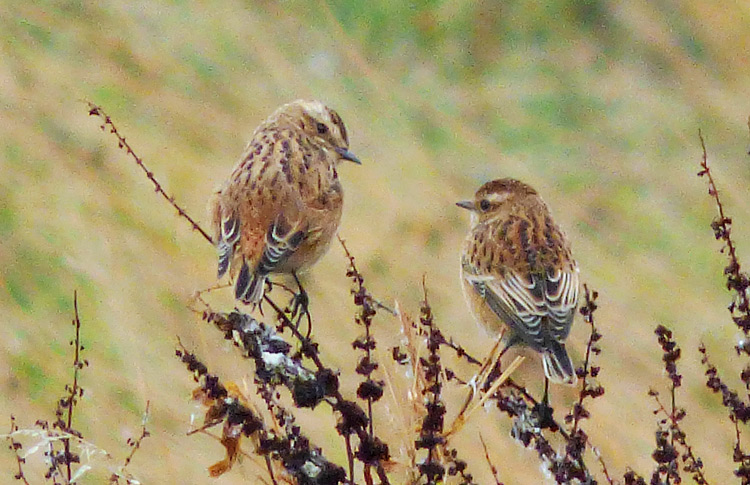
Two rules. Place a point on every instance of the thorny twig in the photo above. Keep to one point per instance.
(95, 110)
(738, 412)
(135, 444)
(287, 444)
(578, 439)
(737, 281)
(666, 454)
(432, 435)
(15, 446)
(308, 387)
(369, 390)
(492, 466)
(66, 405)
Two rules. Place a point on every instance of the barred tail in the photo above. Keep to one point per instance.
(557, 364)
(250, 285)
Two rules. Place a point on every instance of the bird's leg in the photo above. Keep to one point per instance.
(300, 305)
(496, 371)
(269, 287)
(543, 409)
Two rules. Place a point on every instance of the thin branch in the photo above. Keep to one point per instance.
(694, 462)
(136, 444)
(95, 110)
(66, 406)
(737, 281)
(493, 468)
(15, 446)
(587, 371)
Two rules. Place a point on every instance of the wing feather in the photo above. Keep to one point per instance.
(229, 235)
(523, 302)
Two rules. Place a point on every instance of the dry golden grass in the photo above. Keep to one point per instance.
(597, 107)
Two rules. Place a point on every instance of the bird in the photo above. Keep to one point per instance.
(518, 274)
(281, 206)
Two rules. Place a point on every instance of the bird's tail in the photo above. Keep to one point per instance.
(250, 285)
(281, 242)
(557, 364)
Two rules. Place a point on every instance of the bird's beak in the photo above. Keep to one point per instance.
(466, 204)
(347, 155)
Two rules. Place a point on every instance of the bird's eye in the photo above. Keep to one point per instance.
(484, 204)
(322, 129)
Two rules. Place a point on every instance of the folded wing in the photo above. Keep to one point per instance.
(538, 307)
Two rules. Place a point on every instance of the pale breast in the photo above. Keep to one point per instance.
(483, 315)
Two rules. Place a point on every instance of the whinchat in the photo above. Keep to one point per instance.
(518, 273)
(281, 206)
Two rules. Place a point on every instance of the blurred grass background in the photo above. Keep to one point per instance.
(595, 103)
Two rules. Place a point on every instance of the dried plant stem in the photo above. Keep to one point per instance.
(477, 381)
(689, 456)
(15, 446)
(95, 110)
(599, 458)
(737, 281)
(337, 400)
(136, 444)
(492, 466)
(463, 415)
(70, 401)
(588, 317)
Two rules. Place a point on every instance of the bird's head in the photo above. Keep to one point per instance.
(320, 123)
(498, 197)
